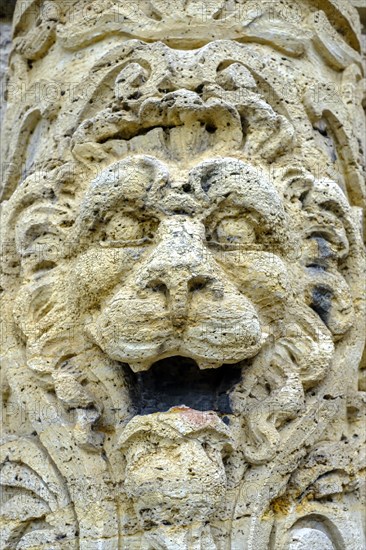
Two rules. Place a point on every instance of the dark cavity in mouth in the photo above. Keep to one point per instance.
(177, 381)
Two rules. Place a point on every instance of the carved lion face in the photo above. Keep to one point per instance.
(175, 270)
(218, 277)
(163, 252)
(180, 269)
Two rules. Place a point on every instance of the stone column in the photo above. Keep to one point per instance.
(182, 276)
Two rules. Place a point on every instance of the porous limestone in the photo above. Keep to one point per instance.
(183, 276)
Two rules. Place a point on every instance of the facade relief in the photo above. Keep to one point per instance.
(182, 277)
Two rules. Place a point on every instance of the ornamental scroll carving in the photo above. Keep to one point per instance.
(182, 277)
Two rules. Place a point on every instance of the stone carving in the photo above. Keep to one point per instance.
(182, 265)
(175, 475)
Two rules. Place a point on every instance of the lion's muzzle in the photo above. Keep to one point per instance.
(178, 301)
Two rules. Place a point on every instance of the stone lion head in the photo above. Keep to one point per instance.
(212, 269)
(181, 260)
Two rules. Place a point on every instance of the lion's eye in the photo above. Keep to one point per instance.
(124, 230)
(235, 231)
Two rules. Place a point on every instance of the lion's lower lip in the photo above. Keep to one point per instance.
(178, 381)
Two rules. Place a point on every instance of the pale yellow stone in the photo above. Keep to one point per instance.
(183, 276)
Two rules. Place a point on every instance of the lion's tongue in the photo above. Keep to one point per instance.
(176, 424)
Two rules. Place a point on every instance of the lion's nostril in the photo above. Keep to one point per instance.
(158, 286)
(187, 188)
(197, 283)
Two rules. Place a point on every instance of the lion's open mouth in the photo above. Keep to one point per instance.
(178, 381)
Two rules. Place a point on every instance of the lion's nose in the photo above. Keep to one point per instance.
(178, 268)
(177, 285)
(177, 290)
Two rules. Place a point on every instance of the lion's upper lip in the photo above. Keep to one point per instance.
(208, 347)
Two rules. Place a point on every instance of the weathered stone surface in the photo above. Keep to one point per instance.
(183, 276)
(5, 45)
